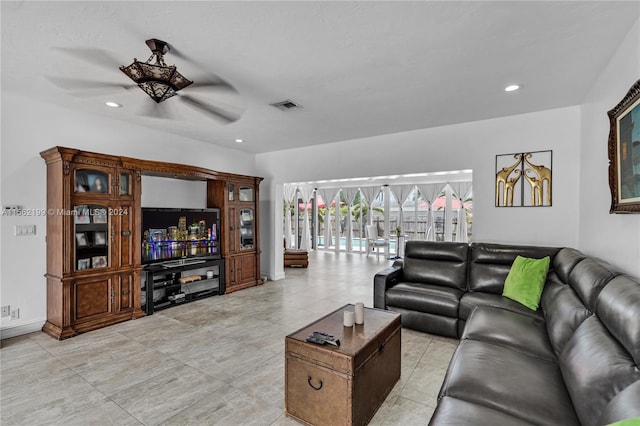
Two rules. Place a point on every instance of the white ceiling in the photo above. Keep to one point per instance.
(358, 68)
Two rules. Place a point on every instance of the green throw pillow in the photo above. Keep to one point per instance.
(627, 422)
(525, 281)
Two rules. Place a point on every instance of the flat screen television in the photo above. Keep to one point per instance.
(172, 234)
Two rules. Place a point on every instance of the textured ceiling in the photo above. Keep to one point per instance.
(358, 68)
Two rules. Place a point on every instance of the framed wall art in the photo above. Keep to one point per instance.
(523, 179)
(624, 153)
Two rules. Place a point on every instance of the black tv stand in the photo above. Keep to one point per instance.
(182, 262)
(171, 283)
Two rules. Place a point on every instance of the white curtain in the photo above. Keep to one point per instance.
(464, 228)
(370, 193)
(306, 192)
(350, 195)
(401, 192)
(430, 192)
(462, 191)
(288, 198)
(328, 195)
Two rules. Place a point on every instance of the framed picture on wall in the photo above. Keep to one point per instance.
(624, 153)
(523, 179)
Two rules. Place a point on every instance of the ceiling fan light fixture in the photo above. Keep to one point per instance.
(157, 79)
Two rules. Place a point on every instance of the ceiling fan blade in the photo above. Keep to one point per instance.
(155, 110)
(179, 54)
(211, 80)
(227, 116)
(218, 84)
(93, 55)
(79, 84)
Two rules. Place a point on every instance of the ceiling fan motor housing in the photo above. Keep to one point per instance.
(157, 46)
(158, 80)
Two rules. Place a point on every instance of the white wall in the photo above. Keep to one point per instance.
(614, 237)
(29, 127)
(178, 193)
(465, 146)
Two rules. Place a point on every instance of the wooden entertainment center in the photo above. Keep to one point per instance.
(94, 234)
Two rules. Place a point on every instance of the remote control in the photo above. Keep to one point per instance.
(323, 338)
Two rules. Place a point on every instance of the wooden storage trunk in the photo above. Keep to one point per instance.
(296, 258)
(327, 385)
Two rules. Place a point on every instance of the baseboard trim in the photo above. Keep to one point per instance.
(274, 276)
(19, 330)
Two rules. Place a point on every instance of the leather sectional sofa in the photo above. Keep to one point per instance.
(573, 361)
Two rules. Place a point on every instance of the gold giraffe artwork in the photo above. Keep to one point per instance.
(502, 177)
(509, 187)
(543, 174)
(536, 188)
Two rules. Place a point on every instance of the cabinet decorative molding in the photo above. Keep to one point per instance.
(238, 198)
(94, 263)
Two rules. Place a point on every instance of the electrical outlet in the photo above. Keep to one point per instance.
(6, 311)
(15, 314)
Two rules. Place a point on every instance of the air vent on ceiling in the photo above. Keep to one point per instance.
(287, 105)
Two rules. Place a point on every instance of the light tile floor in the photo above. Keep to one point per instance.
(217, 361)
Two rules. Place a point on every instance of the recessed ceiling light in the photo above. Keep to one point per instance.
(113, 104)
(239, 140)
(511, 88)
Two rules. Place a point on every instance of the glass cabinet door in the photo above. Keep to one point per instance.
(92, 238)
(245, 193)
(246, 229)
(124, 184)
(230, 190)
(91, 181)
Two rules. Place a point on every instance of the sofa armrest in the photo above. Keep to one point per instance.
(383, 281)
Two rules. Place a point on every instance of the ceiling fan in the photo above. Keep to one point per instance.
(157, 79)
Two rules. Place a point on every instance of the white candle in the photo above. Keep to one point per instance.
(349, 318)
(359, 314)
